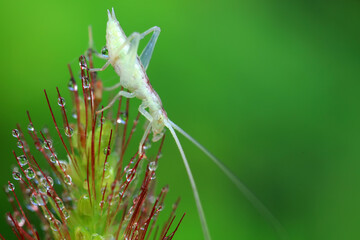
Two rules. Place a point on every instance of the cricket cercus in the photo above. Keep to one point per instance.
(122, 56)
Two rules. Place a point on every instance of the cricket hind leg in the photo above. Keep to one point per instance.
(204, 226)
(239, 184)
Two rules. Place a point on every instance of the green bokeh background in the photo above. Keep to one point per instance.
(270, 87)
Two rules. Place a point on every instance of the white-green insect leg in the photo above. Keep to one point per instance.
(119, 94)
(149, 49)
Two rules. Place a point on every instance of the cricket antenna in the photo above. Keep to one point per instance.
(192, 182)
(239, 184)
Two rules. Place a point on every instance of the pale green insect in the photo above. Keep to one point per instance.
(122, 55)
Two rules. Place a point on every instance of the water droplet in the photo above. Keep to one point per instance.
(82, 65)
(106, 166)
(120, 120)
(60, 203)
(30, 173)
(74, 115)
(11, 186)
(129, 174)
(152, 166)
(104, 51)
(48, 182)
(20, 144)
(31, 127)
(66, 214)
(72, 85)
(115, 199)
(16, 176)
(55, 225)
(42, 188)
(53, 158)
(102, 120)
(107, 151)
(68, 180)
(47, 144)
(38, 199)
(19, 218)
(69, 131)
(47, 215)
(22, 160)
(101, 203)
(153, 176)
(63, 165)
(86, 82)
(147, 144)
(15, 133)
(61, 102)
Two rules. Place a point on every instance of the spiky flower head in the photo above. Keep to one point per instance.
(90, 190)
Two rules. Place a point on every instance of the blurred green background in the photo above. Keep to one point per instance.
(270, 87)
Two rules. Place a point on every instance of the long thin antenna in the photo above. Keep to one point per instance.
(239, 184)
(192, 181)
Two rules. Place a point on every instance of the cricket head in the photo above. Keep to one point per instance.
(115, 36)
(159, 121)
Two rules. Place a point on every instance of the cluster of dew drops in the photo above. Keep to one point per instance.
(45, 183)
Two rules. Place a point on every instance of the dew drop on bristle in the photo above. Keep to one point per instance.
(68, 180)
(120, 120)
(74, 115)
(47, 215)
(15, 133)
(129, 175)
(30, 173)
(11, 186)
(102, 120)
(55, 225)
(69, 131)
(153, 176)
(147, 144)
(20, 144)
(107, 151)
(82, 65)
(72, 86)
(60, 203)
(47, 144)
(16, 176)
(48, 182)
(61, 102)
(53, 158)
(66, 214)
(30, 127)
(42, 188)
(38, 199)
(19, 219)
(22, 160)
(152, 166)
(86, 82)
(63, 165)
